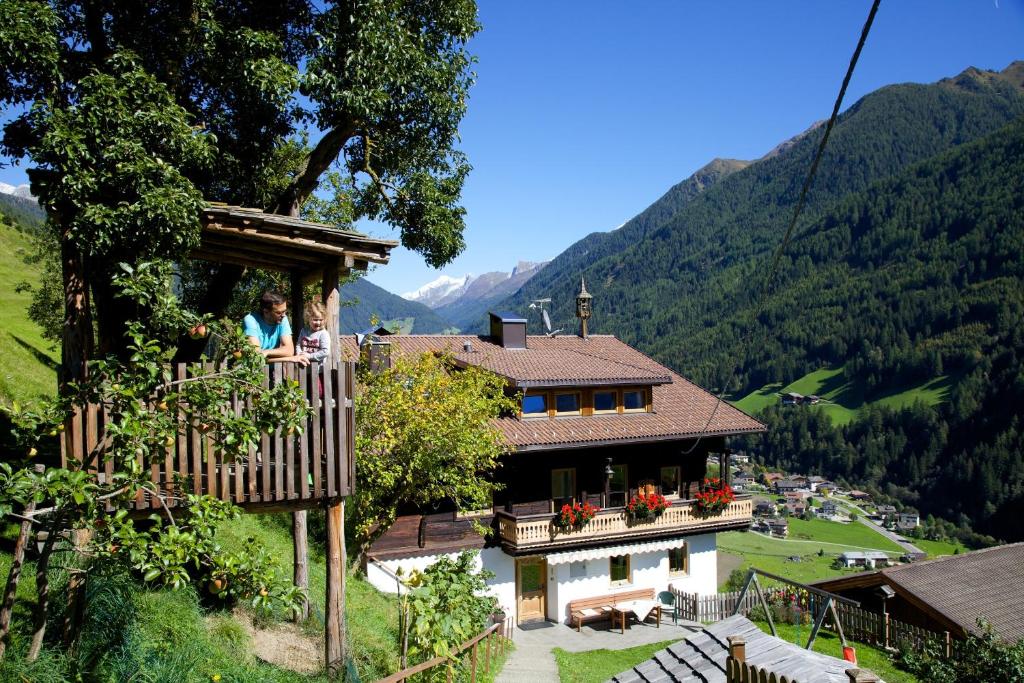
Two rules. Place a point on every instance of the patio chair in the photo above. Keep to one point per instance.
(668, 599)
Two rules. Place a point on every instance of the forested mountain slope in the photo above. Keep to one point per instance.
(922, 274)
(669, 282)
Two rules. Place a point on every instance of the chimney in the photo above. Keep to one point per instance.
(508, 330)
(583, 307)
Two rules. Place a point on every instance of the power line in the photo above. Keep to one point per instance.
(762, 296)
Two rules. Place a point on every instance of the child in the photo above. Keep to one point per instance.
(314, 342)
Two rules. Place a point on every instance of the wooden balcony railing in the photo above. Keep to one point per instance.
(286, 471)
(523, 532)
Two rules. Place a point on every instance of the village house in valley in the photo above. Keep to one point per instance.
(600, 423)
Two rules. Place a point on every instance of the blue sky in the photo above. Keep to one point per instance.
(585, 112)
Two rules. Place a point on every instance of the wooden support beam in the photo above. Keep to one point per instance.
(300, 539)
(334, 636)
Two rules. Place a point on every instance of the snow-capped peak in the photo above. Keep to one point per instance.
(436, 291)
(17, 191)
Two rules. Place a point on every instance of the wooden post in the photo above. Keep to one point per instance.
(7, 607)
(335, 621)
(861, 676)
(738, 648)
(300, 541)
(301, 567)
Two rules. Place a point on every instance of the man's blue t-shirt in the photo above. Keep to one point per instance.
(269, 335)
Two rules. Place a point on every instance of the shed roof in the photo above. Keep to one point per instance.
(251, 238)
(702, 657)
(960, 588)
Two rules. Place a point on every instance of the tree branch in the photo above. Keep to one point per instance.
(318, 161)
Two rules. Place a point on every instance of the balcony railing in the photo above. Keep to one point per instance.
(525, 532)
(285, 471)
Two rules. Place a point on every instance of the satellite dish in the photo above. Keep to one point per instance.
(547, 320)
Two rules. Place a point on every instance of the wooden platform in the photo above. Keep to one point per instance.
(285, 472)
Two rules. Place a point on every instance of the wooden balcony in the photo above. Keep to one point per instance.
(285, 472)
(520, 534)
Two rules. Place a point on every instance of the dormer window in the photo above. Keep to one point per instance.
(535, 404)
(605, 401)
(567, 403)
(634, 399)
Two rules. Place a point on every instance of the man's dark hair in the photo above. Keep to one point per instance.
(270, 298)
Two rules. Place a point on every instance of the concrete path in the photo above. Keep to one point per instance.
(533, 661)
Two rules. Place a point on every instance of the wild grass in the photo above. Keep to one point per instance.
(27, 362)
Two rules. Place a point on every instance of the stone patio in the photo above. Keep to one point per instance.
(533, 661)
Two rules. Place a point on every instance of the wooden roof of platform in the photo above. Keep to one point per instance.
(255, 239)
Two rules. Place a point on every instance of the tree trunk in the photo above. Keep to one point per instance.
(11, 590)
(43, 591)
(301, 574)
(77, 342)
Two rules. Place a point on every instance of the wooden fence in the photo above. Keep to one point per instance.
(708, 608)
(878, 629)
(286, 471)
(858, 624)
(496, 638)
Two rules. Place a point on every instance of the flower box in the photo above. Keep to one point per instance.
(574, 517)
(715, 496)
(643, 507)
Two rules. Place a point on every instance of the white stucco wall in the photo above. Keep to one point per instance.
(647, 570)
(502, 586)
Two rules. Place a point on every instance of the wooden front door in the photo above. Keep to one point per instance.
(531, 588)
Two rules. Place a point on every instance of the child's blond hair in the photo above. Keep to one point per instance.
(314, 309)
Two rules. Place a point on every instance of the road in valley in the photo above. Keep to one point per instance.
(912, 550)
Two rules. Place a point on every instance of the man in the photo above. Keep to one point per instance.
(270, 331)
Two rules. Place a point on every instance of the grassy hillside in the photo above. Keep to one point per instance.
(845, 400)
(27, 363)
(136, 634)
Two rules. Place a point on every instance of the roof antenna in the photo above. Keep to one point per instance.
(539, 303)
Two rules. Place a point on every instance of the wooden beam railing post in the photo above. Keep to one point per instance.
(14, 575)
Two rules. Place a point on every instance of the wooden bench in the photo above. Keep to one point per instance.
(599, 608)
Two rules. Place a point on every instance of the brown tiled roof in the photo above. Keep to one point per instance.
(681, 408)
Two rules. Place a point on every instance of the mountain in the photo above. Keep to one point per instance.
(905, 271)
(20, 208)
(663, 279)
(440, 291)
(575, 259)
(479, 295)
(22, 191)
(367, 300)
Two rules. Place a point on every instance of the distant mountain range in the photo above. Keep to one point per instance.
(16, 190)
(363, 301)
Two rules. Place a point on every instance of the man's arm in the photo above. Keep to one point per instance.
(285, 347)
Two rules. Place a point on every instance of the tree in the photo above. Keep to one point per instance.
(133, 114)
(148, 409)
(423, 435)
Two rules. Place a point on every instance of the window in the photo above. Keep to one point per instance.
(677, 561)
(634, 399)
(670, 481)
(577, 570)
(619, 568)
(563, 487)
(535, 404)
(567, 403)
(605, 402)
(617, 486)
